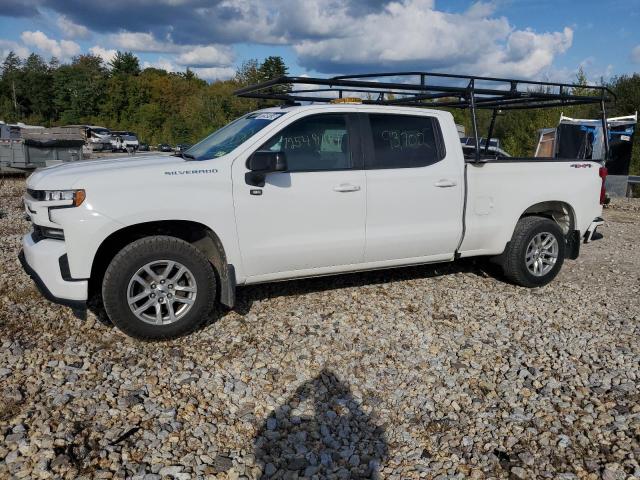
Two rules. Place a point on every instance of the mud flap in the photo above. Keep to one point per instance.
(573, 245)
(228, 286)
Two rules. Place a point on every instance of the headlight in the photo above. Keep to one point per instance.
(55, 195)
(76, 197)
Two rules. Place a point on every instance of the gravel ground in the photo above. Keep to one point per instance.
(431, 372)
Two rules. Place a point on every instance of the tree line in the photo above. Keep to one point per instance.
(170, 107)
(159, 106)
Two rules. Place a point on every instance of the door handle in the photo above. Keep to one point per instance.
(444, 183)
(346, 187)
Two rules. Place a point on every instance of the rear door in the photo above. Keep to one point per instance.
(415, 189)
(312, 216)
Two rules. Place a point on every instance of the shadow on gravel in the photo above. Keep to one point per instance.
(322, 431)
(245, 296)
(95, 306)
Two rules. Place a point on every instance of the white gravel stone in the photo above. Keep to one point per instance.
(441, 371)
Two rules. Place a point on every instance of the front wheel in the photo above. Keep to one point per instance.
(536, 252)
(159, 287)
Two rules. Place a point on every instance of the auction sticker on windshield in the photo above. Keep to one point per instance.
(267, 116)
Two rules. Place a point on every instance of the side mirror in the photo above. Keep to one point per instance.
(263, 162)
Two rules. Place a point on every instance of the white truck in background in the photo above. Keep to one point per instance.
(97, 138)
(123, 141)
(290, 192)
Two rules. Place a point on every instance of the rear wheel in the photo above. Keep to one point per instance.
(159, 287)
(536, 252)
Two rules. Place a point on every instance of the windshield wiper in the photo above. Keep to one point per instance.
(183, 155)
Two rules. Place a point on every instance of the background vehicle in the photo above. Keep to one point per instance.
(143, 147)
(97, 138)
(165, 147)
(298, 191)
(469, 147)
(123, 140)
(584, 139)
(182, 147)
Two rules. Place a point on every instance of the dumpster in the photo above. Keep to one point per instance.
(30, 148)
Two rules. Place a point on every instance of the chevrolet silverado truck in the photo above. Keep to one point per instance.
(290, 192)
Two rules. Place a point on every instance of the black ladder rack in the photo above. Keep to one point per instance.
(435, 90)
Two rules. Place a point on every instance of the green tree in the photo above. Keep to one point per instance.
(80, 89)
(124, 63)
(116, 99)
(10, 84)
(581, 80)
(272, 67)
(36, 89)
(248, 73)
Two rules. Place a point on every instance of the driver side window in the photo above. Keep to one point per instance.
(317, 142)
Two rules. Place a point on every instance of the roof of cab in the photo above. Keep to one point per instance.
(353, 107)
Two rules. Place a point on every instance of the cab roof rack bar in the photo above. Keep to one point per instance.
(428, 89)
(489, 91)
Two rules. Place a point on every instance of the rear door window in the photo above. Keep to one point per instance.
(403, 141)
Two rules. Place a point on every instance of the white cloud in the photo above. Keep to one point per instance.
(188, 55)
(70, 29)
(215, 73)
(329, 36)
(318, 19)
(104, 53)
(635, 54)
(208, 73)
(481, 9)
(412, 33)
(206, 56)
(7, 46)
(212, 61)
(230, 21)
(526, 54)
(593, 71)
(62, 49)
(163, 63)
(142, 42)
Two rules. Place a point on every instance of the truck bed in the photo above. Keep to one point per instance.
(501, 190)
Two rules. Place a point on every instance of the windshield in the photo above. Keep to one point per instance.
(229, 137)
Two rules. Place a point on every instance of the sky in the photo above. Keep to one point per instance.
(541, 39)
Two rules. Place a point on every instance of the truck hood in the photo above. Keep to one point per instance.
(68, 175)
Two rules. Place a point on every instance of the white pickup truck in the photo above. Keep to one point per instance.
(124, 141)
(290, 192)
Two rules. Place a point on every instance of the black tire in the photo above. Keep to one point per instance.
(513, 260)
(141, 252)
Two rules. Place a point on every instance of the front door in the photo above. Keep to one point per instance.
(312, 216)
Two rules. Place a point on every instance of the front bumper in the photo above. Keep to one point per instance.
(591, 233)
(42, 262)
